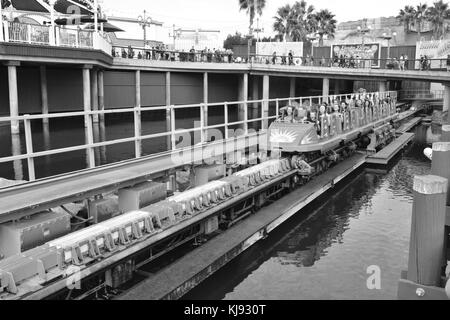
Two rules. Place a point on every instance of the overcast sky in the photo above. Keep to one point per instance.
(224, 15)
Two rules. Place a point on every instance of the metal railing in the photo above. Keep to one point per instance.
(160, 54)
(261, 106)
(74, 38)
(28, 33)
(60, 36)
(421, 94)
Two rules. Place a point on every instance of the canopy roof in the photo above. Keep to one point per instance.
(62, 6)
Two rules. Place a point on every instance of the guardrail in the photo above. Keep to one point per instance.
(421, 94)
(260, 106)
(60, 36)
(160, 54)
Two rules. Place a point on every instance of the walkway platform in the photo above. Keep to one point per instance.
(384, 156)
(405, 127)
(187, 272)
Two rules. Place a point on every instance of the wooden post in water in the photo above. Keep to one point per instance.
(426, 251)
(441, 162)
(445, 133)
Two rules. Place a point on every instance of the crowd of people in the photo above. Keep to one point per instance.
(313, 114)
(163, 52)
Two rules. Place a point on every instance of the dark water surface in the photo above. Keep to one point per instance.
(324, 252)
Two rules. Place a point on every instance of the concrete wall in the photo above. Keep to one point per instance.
(222, 87)
(186, 88)
(4, 98)
(119, 89)
(153, 89)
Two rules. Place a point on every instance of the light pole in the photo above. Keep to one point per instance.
(388, 37)
(176, 33)
(363, 30)
(144, 22)
(258, 30)
(311, 38)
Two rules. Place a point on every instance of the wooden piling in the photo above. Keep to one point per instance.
(441, 162)
(426, 251)
(445, 133)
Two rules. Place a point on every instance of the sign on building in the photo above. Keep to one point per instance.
(281, 48)
(367, 52)
(436, 52)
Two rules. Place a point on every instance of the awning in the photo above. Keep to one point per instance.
(107, 27)
(73, 20)
(28, 5)
(62, 6)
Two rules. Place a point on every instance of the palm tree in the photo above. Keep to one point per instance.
(303, 16)
(406, 16)
(437, 15)
(420, 17)
(283, 24)
(324, 24)
(5, 4)
(253, 8)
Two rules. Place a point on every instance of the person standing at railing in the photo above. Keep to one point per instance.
(402, 62)
(274, 57)
(291, 58)
(147, 51)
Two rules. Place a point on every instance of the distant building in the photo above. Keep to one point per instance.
(199, 39)
(347, 32)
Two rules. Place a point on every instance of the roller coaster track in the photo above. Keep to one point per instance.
(29, 198)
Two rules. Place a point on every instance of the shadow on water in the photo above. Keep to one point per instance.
(69, 132)
(324, 252)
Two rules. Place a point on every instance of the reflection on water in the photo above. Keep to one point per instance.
(324, 253)
(63, 133)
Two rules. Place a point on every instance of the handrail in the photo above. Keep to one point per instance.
(262, 105)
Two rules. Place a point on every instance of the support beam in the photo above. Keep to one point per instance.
(446, 100)
(326, 87)
(52, 21)
(101, 94)
(255, 96)
(205, 99)
(13, 97)
(137, 114)
(44, 93)
(89, 133)
(292, 87)
(337, 86)
(265, 104)
(382, 86)
(94, 93)
(168, 112)
(1, 25)
(243, 96)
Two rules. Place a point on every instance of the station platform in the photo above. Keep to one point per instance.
(405, 127)
(184, 274)
(387, 153)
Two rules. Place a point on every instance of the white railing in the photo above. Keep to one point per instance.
(28, 33)
(65, 37)
(74, 38)
(260, 106)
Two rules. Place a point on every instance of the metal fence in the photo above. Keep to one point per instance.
(262, 120)
(421, 94)
(28, 33)
(158, 54)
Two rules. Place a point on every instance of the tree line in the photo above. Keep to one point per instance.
(301, 22)
(415, 17)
